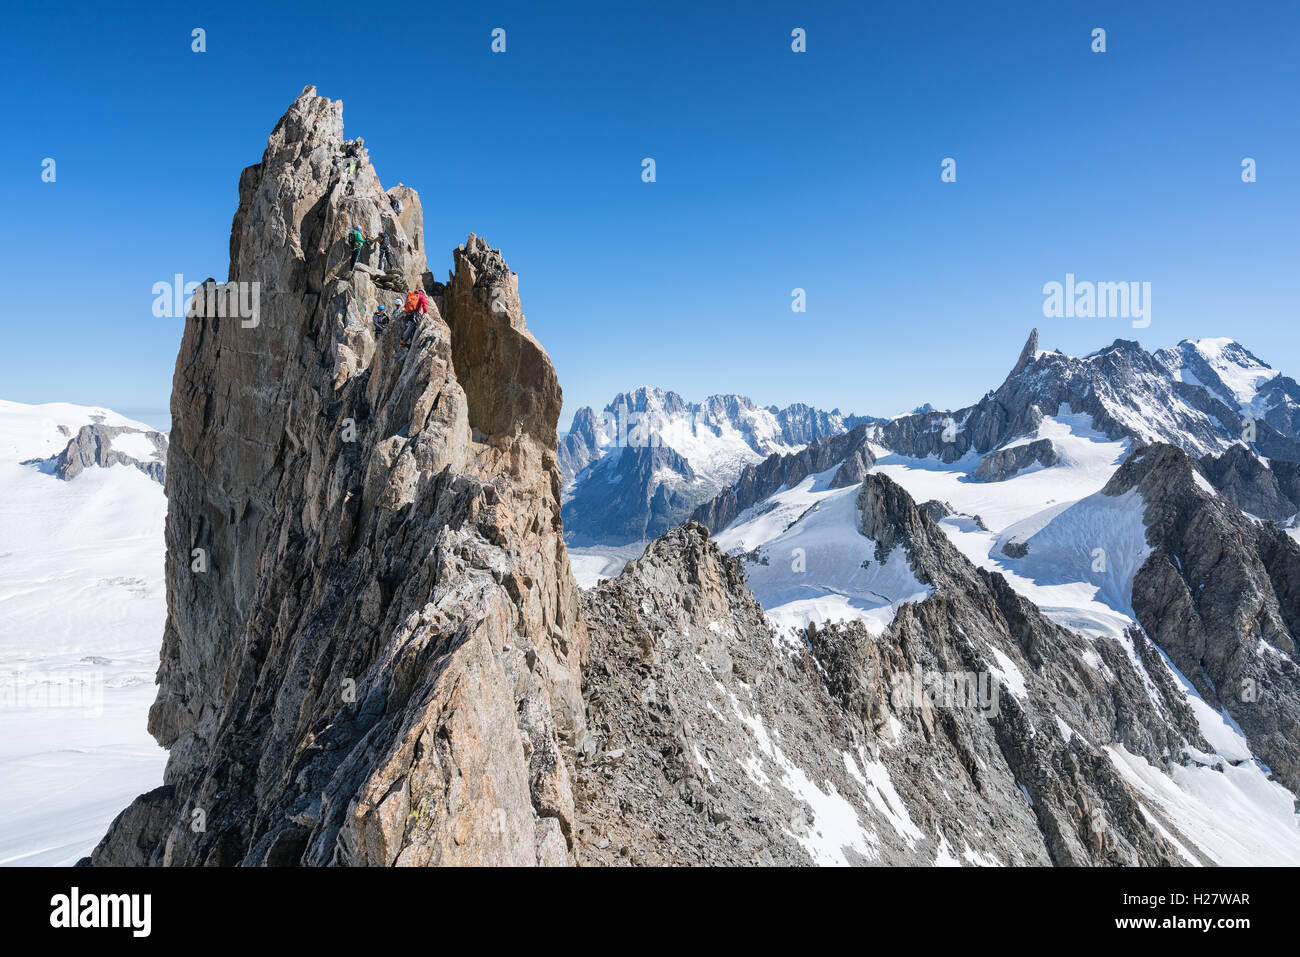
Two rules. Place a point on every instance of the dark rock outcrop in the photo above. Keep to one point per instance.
(93, 446)
(1000, 465)
(854, 468)
(1220, 594)
(1269, 491)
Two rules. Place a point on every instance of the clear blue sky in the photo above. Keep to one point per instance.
(775, 170)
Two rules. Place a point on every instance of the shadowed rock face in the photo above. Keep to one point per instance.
(488, 336)
(1001, 465)
(1218, 594)
(626, 503)
(1269, 491)
(374, 658)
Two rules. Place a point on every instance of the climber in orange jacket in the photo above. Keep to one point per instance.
(417, 305)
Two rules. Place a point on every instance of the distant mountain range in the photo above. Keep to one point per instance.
(1147, 502)
(650, 458)
(640, 465)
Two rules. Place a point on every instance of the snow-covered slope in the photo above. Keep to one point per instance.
(807, 562)
(987, 515)
(81, 618)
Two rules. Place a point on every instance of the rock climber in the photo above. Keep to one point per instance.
(384, 258)
(380, 319)
(358, 244)
(417, 305)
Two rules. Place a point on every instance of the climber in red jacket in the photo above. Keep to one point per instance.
(417, 305)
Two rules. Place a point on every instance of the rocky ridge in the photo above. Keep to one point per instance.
(710, 735)
(376, 658)
(1220, 594)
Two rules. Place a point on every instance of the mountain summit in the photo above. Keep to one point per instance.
(372, 643)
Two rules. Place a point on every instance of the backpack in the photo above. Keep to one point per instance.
(412, 302)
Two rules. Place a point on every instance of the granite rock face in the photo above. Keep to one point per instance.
(372, 647)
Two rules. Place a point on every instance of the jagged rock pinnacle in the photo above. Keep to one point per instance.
(379, 660)
(1027, 353)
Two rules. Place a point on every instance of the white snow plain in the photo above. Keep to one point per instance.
(82, 607)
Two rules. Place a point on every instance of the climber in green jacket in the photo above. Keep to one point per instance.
(358, 245)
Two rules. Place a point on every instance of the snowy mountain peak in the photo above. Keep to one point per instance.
(1028, 354)
(1224, 367)
(1194, 395)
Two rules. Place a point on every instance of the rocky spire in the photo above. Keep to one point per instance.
(372, 645)
(1026, 354)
